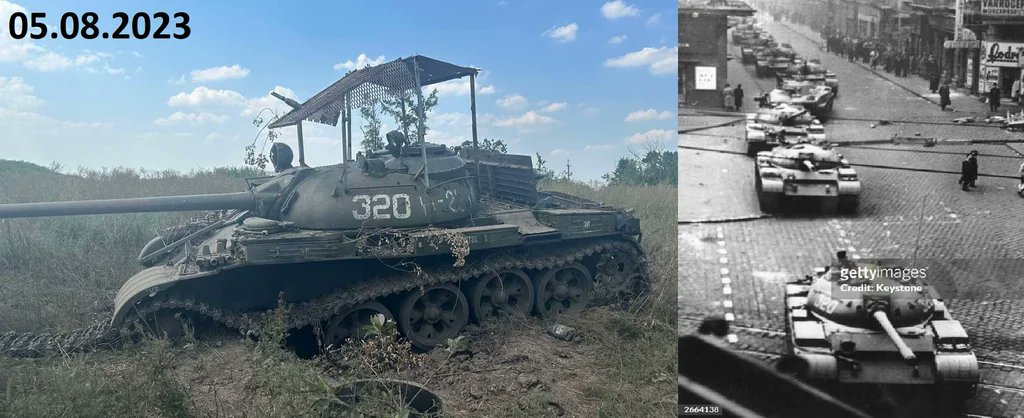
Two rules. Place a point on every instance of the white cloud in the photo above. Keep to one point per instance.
(563, 34)
(530, 118)
(513, 102)
(50, 61)
(16, 94)
(558, 152)
(449, 119)
(11, 49)
(205, 96)
(361, 61)
(618, 39)
(660, 61)
(219, 73)
(199, 118)
(554, 107)
(600, 148)
(460, 87)
(255, 106)
(653, 20)
(178, 81)
(648, 114)
(651, 135)
(618, 9)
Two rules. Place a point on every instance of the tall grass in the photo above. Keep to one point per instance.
(61, 273)
(637, 375)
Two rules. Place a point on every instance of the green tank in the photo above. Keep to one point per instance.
(431, 236)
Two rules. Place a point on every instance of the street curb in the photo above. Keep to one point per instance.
(717, 125)
(726, 220)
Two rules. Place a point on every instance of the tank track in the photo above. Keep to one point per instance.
(308, 313)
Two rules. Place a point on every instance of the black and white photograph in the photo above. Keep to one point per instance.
(849, 226)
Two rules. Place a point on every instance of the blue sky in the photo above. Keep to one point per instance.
(582, 81)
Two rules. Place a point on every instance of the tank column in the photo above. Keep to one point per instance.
(905, 351)
(472, 112)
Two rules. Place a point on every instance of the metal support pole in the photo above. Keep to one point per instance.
(348, 108)
(422, 131)
(472, 112)
(302, 150)
(344, 134)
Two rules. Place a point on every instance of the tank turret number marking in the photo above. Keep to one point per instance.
(826, 304)
(382, 206)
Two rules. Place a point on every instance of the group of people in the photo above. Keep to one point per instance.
(732, 97)
(969, 173)
(902, 62)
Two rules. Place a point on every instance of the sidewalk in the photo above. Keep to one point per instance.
(963, 100)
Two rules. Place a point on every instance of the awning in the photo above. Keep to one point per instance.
(370, 84)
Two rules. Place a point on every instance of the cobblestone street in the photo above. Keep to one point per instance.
(734, 259)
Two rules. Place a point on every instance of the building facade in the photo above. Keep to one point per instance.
(703, 50)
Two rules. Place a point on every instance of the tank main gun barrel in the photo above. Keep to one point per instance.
(905, 352)
(240, 200)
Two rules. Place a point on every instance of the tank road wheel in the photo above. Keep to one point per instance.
(562, 290)
(619, 277)
(430, 316)
(170, 324)
(349, 323)
(505, 292)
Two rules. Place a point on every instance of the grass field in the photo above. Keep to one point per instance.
(58, 274)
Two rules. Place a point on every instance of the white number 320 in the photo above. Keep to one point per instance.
(382, 206)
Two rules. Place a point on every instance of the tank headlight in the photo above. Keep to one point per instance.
(848, 177)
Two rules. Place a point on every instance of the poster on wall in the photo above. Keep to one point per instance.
(987, 77)
(705, 78)
(969, 74)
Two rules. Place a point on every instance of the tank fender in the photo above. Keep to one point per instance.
(143, 284)
(959, 367)
(849, 187)
(771, 185)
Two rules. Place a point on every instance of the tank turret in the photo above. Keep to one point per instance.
(875, 322)
(773, 125)
(805, 171)
(379, 191)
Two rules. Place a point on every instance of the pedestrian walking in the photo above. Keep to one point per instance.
(1015, 91)
(944, 96)
(738, 94)
(994, 95)
(969, 171)
(729, 98)
(932, 74)
(1020, 186)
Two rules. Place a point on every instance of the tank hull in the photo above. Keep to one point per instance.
(235, 274)
(844, 354)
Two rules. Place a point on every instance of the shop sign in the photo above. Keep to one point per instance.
(1002, 7)
(962, 44)
(705, 78)
(1001, 54)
